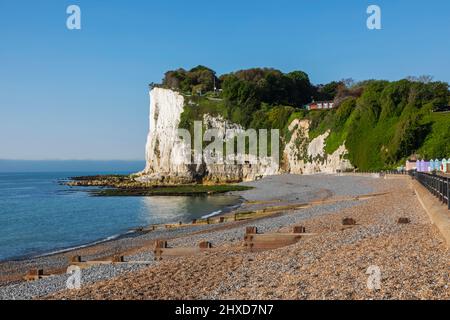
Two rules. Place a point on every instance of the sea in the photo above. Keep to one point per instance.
(40, 215)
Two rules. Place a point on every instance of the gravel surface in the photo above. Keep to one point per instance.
(412, 260)
(270, 224)
(289, 189)
(233, 273)
(281, 188)
(46, 286)
(58, 261)
(293, 187)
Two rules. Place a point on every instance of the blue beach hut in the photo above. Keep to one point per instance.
(437, 165)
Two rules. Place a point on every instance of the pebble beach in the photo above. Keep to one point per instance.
(335, 263)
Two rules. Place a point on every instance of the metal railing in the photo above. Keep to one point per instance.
(438, 185)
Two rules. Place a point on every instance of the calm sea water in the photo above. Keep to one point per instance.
(38, 215)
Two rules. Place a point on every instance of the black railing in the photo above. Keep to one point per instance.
(438, 185)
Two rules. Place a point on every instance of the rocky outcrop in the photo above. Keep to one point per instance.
(167, 153)
(303, 155)
(252, 168)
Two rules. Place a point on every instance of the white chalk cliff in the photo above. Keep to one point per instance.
(164, 152)
(303, 155)
(167, 153)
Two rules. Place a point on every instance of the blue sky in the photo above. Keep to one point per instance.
(82, 94)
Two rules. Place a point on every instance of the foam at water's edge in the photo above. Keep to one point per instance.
(212, 214)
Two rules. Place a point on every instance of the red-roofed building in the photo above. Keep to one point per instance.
(320, 105)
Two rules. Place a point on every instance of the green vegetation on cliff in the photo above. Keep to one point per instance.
(389, 122)
(381, 122)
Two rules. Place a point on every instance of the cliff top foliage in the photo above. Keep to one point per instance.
(381, 122)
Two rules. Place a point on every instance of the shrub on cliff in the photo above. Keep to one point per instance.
(248, 90)
(197, 80)
(389, 122)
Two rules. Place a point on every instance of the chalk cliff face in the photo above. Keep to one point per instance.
(303, 155)
(167, 154)
(252, 168)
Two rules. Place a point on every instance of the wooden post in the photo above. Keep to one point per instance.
(75, 259)
(160, 244)
(403, 220)
(251, 230)
(205, 245)
(299, 229)
(36, 272)
(348, 222)
(118, 259)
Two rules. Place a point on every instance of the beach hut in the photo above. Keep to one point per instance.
(444, 165)
(420, 165)
(437, 165)
(432, 166)
(426, 166)
(411, 165)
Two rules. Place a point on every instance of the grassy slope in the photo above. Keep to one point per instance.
(437, 143)
(367, 143)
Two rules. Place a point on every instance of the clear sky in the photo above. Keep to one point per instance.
(82, 94)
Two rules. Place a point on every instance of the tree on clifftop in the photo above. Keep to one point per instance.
(197, 80)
